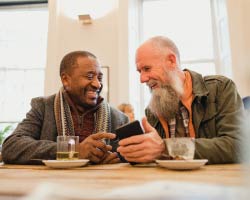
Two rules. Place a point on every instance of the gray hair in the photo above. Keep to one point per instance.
(163, 43)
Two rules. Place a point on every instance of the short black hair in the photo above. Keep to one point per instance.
(70, 59)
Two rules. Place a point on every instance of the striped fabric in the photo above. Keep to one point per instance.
(185, 121)
(64, 121)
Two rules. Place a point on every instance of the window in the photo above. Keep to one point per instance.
(23, 42)
(199, 29)
(189, 24)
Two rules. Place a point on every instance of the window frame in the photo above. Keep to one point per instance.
(21, 5)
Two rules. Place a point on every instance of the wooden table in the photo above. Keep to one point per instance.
(94, 180)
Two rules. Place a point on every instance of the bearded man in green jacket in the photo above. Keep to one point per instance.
(184, 104)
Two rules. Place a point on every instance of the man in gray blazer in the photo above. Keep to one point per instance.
(77, 109)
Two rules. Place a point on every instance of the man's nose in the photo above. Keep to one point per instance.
(96, 83)
(144, 78)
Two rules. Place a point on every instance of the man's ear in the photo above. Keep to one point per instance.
(171, 60)
(65, 80)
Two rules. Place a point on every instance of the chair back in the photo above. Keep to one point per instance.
(246, 102)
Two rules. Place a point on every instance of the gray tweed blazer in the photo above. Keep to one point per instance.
(35, 136)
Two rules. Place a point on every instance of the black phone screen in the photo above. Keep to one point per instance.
(129, 129)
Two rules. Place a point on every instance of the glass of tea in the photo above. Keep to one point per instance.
(67, 147)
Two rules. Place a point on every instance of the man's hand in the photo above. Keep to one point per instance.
(111, 158)
(93, 148)
(142, 148)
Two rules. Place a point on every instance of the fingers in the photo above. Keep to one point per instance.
(113, 161)
(147, 127)
(97, 152)
(95, 155)
(101, 153)
(132, 140)
(142, 148)
(133, 152)
(94, 158)
(100, 145)
(140, 159)
(130, 148)
(111, 158)
(100, 136)
(137, 153)
(108, 147)
(94, 147)
(138, 138)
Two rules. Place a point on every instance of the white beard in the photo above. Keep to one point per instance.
(165, 100)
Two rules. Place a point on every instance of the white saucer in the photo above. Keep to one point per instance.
(181, 164)
(65, 163)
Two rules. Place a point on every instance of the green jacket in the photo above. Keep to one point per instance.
(217, 112)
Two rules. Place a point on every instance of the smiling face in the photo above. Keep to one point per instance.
(83, 81)
(158, 68)
(150, 65)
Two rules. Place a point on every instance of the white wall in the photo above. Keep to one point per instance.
(239, 28)
(106, 37)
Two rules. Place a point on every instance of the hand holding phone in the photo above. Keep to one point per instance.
(129, 129)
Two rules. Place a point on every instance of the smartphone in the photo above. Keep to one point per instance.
(129, 129)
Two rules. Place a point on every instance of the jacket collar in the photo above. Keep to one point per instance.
(199, 89)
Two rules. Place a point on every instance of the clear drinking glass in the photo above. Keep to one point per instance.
(67, 148)
(181, 148)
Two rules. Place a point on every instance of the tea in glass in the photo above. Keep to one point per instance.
(67, 148)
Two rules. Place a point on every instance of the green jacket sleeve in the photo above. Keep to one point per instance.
(219, 132)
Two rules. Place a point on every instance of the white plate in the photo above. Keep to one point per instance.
(66, 163)
(181, 164)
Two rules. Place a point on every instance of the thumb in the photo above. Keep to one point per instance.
(146, 126)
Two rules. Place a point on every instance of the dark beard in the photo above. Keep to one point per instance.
(164, 102)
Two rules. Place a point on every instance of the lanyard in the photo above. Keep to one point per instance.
(185, 121)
